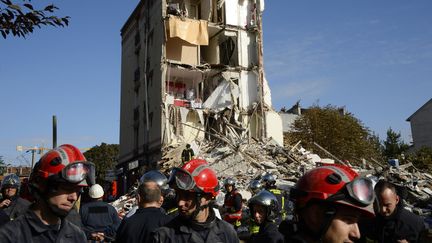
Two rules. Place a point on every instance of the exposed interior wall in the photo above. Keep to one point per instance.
(248, 87)
(267, 93)
(222, 49)
(238, 13)
(181, 51)
(274, 126)
(255, 126)
(248, 54)
(193, 128)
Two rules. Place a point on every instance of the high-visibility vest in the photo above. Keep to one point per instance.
(280, 195)
(253, 227)
(232, 216)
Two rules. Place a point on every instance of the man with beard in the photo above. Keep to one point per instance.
(196, 186)
(56, 182)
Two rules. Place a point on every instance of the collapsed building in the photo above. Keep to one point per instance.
(192, 70)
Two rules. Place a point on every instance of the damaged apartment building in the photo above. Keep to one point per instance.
(191, 70)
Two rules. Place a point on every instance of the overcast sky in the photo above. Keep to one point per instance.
(373, 57)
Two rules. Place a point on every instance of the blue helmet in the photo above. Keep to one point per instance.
(11, 180)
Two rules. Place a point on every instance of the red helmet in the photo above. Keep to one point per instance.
(338, 184)
(196, 175)
(65, 163)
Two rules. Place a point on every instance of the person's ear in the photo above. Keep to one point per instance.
(397, 199)
(138, 198)
(161, 200)
(313, 216)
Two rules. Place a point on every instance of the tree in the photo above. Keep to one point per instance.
(393, 146)
(104, 157)
(21, 19)
(422, 159)
(2, 165)
(337, 131)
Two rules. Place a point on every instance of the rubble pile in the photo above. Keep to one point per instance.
(251, 159)
(247, 160)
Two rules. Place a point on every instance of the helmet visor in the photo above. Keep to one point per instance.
(183, 179)
(361, 189)
(78, 172)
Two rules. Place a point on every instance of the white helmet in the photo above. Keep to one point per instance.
(96, 191)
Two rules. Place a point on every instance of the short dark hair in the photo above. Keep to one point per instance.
(382, 185)
(149, 192)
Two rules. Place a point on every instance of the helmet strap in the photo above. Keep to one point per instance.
(329, 214)
(199, 207)
(317, 235)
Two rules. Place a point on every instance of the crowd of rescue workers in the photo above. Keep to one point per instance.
(329, 203)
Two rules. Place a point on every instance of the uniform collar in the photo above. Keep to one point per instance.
(36, 223)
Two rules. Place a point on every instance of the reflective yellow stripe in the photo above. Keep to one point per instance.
(172, 210)
(254, 229)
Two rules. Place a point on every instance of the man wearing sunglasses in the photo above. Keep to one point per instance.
(393, 222)
(196, 186)
(56, 182)
(329, 201)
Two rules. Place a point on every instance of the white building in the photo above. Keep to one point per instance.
(421, 126)
(190, 69)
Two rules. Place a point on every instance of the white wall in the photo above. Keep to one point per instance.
(274, 126)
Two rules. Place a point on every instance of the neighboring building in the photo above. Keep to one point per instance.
(190, 68)
(290, 115)
(421, 126)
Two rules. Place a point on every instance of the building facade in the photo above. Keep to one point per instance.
(190, 69)
(421, 126)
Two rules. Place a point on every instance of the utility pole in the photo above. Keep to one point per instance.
(54, 120)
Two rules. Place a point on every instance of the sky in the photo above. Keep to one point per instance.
(372, 57)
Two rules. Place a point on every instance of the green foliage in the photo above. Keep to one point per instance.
(343, 135)
(104, 157)
(393, 146)
(2, 165)
(422, 159)
(21, 19)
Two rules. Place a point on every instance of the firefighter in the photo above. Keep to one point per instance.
(56, 182)
(329, 201)
(255, 186)
(196, 186)
(12, 204)
(269, 182)
(187, 154)
(264, 210)
(232, 203)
